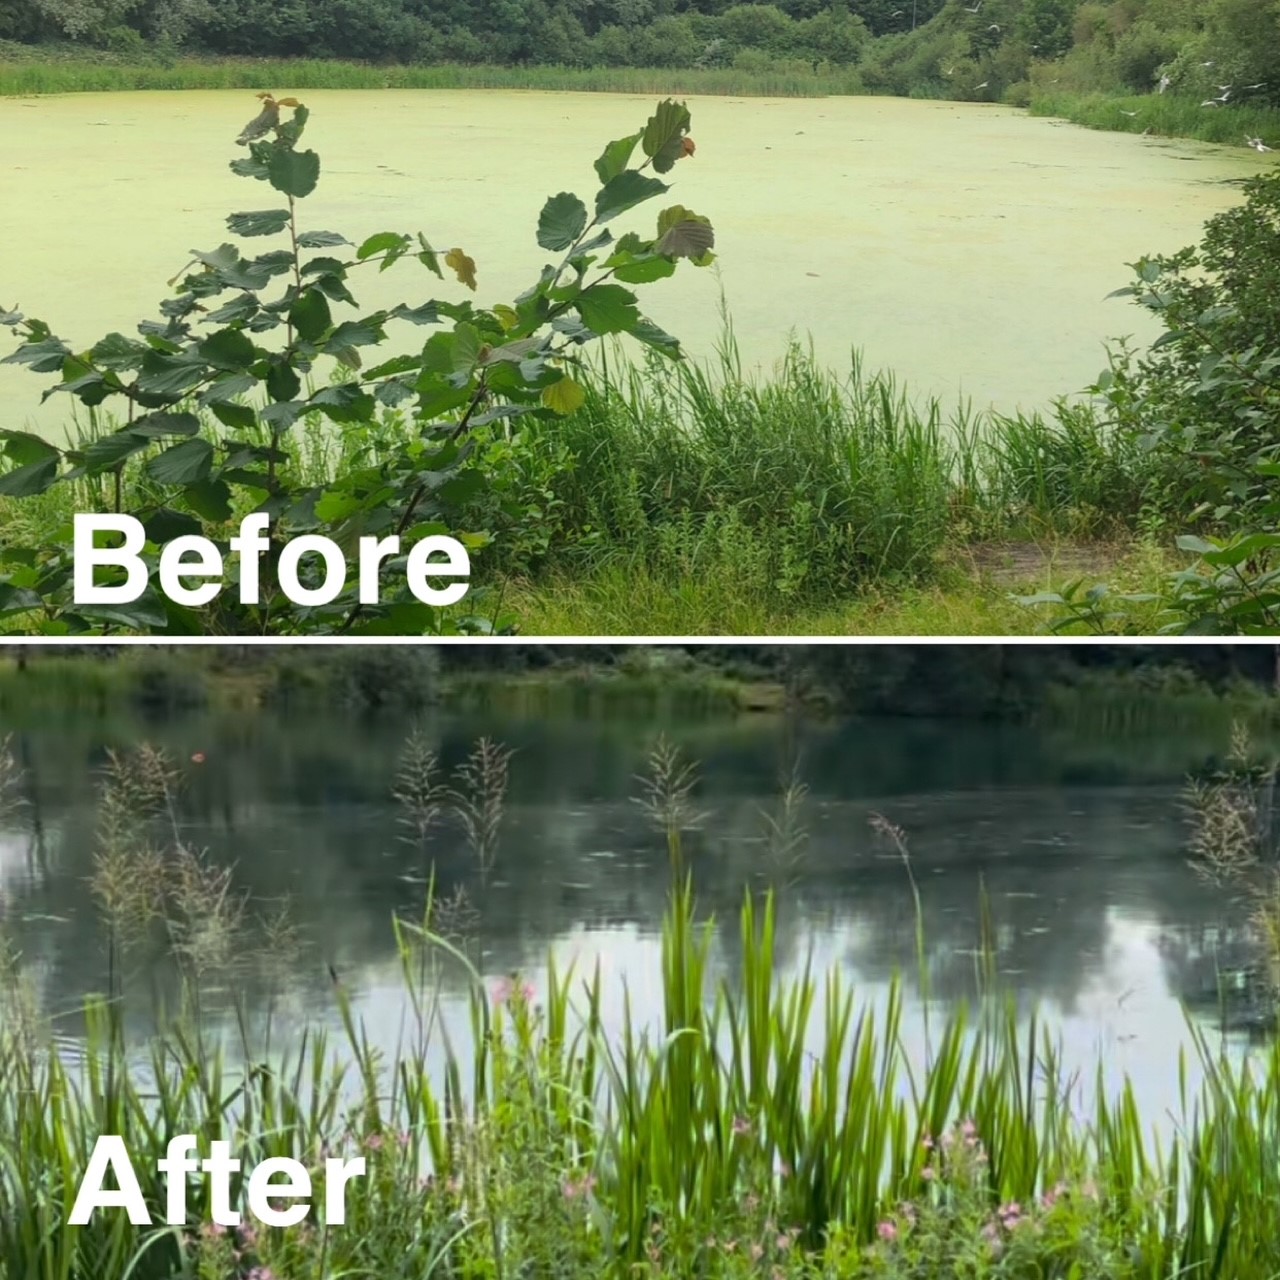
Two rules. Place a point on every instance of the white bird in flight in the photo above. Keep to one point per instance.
(1257, 144)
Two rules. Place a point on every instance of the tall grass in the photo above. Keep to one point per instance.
(766, 1123)
(1164, 114)
(717, 491)
(800, 485)
(1140, 702)
(23, 76)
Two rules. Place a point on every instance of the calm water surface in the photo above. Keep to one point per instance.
(1079, 844)
(968, 248)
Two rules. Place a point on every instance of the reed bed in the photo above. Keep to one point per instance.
(718, 1144)
(803, 485)
(1163, 114)
(22, 76)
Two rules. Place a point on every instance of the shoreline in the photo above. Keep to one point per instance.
(28, 74)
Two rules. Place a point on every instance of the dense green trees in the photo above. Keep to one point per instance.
(931, 48)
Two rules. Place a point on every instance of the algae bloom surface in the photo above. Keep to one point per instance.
(968, 248)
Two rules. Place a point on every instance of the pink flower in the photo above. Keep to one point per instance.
(1010, 1215)
(928, 1173)
(927, 1142)
(373, 1142)
(741, 1126)
(502, 990)
(887, 1231)
(968, 1129)
(573, 1189)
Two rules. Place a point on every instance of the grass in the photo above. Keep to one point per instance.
(1145, 701)
(1163, 114)
(628, 600)
(695, 499)
(35, 72)
(769, 1126)
(623, 601)
(702, 499)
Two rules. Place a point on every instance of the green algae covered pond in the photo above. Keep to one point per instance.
(968, 248)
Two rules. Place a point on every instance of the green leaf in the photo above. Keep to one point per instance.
(169, 376)
(283, 382)
(115, 351)
(264, 222)
(345, 403)
(293, 172)
(154, 426)
(608, 308)
(383, 242)
(24, 447)
(428, 257)
(239, 417)
(143, 614)
(250, 166)
(18, 599)
(26, 482)
(185, 463)
(613, 160)
(562, 221)
(229, 387)
(1189, 542)
(310, 315)
(164, 524)
(356, 333)
(45, 356)
(564, 397)
(461, 488)
(466, 348)
(645, 270)
(320, 239)
(108, 451)
(427, 313)
(209, 499)
(281, 415)
(664, 133)
(228, 349)
(624, 192)
(649, 333)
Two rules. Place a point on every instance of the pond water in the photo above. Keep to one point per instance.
(1079, 843)
(969, 248)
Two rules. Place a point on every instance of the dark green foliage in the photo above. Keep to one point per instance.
(1205, 401)
(1204, 406)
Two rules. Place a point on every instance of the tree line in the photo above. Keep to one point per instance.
(989, 49)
